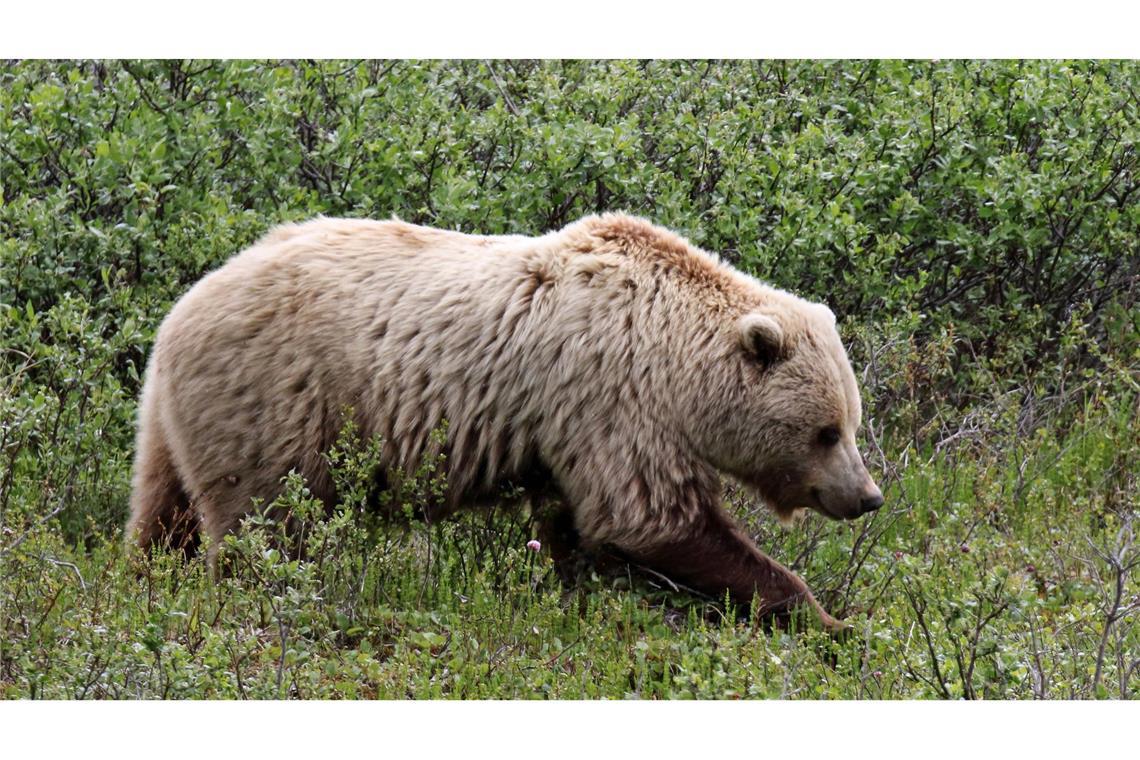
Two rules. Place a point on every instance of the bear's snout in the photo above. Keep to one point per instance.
(870, 503)
(849, 506)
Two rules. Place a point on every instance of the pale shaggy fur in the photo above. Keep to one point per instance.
(613, 355)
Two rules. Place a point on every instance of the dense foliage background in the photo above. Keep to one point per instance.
(975, 225)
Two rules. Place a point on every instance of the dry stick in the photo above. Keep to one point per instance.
(49, 608)
(61, 563)
(663, 578)
(283, 634)
(1121, 668)
(981, 622)
(919, 610)
(237, 661)
(443, 649)
(566, 649)
(1128, 677)
(1110, 619)
(864, 670)
(874, 603)
(856, 561)
(24, 536)
(502, 89)
(1040, 681)
(1114, 612)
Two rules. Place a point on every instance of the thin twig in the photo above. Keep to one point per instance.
(502, 90)
(61, 563)
(24, 536)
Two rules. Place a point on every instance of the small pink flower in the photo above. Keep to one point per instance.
(898, 555)
(534, 545)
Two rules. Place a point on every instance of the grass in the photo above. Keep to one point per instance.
(993, 573)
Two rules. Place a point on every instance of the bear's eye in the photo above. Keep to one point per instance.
(829, 436)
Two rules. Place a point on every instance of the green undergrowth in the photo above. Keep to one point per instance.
(990, 575)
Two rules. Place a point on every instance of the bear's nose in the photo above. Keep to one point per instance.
(870, 503)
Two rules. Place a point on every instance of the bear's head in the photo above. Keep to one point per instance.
(785, 416)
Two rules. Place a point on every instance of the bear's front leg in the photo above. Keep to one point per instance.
(714, 556)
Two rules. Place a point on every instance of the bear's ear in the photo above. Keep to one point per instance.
(762, 337)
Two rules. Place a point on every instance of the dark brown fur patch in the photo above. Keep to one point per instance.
(714, 558)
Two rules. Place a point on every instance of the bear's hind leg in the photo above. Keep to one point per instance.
(227, 501)
(230, 499)
(161, 514)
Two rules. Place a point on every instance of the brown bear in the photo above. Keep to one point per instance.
(612, 357)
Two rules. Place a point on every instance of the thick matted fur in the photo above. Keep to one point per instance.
(629, 366)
